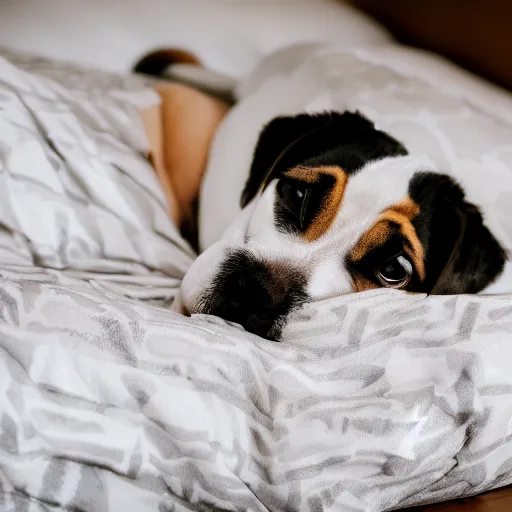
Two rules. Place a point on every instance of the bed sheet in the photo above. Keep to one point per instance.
(110, 402)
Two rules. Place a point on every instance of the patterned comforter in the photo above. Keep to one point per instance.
(110, 402)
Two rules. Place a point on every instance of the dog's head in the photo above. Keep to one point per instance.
(332, 205)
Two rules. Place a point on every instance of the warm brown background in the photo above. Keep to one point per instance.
(476, 34)
(495, 501)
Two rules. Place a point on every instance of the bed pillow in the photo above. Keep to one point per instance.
(229, 37)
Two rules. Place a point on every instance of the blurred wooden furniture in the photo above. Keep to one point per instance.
(493, 501)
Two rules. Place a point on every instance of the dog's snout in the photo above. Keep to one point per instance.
(236, 292)
(247, 302)
(254, 294)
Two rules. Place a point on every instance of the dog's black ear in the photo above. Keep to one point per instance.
(349, 139)
(461, 254)
(275, 143)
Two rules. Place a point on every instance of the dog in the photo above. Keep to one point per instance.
(332, 205)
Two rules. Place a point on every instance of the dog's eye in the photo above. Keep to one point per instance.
(292, 193)
(295, 196)
(395, 272)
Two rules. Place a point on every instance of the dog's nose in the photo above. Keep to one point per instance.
(247, 303)
(257, 295)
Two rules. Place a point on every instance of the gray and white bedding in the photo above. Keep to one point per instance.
(111, 402)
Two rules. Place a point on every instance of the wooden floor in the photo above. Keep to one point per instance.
(494, 501)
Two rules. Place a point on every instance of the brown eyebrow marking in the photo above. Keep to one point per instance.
(331, 201)
(397, 216)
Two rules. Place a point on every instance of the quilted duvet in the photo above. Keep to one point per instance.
(111, 402)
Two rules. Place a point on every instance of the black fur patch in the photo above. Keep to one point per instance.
(157, 61)
(347, 140)
(461, 254)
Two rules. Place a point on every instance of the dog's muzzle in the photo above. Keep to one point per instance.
(254, 294)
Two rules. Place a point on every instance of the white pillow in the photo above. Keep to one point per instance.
(229, 36)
